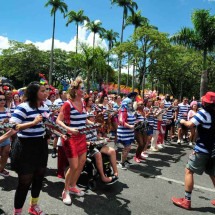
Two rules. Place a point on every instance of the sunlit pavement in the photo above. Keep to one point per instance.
(144, 188)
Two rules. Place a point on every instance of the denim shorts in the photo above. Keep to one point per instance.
(200, 163)
(149, 132)
(5, 143)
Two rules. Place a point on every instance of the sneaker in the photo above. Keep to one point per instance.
(35, 210)
(160, 146)
(144, 155)
(66, 198)
(136, 160)
(213, 202)
(122, 166)
(113, 180)
(153, 149)
(76, 191)
(54, 153)
(190, 143)
(182, 202)
(128, 162)
(179, 142)
(4, 173)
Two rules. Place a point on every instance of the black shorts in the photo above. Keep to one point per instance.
(33, 155)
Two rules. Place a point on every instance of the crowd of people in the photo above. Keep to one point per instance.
(150, 122)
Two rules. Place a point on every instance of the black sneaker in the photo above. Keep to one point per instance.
(128, 162)
(54, 153)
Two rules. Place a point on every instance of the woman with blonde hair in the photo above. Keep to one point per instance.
(73, 116)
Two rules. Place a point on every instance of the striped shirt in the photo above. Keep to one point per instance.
(150, 118)
(24, 114)
(92, 135)
(106, 113)
(202, 118)
(77, 119)
(58, 102)
(4, 115)
(124, 134)
(169, 113)
(183, 111)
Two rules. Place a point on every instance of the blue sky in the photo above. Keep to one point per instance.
(25, 20)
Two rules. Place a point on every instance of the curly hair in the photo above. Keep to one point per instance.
(74, 86)
(31, 93)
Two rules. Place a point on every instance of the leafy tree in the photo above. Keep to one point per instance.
(78, 18)
(111, 37)
(95, 28)
(201, 37)
(128, 6)
(62, 7)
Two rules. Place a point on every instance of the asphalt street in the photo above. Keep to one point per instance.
(144, 188)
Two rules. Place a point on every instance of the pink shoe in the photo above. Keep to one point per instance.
(35, 210)
(76, 191)
(137, 160)
(182, 202)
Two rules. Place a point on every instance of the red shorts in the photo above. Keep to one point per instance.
(75, 146)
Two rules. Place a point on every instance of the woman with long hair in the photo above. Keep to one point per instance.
(73, 116)
(33, 151)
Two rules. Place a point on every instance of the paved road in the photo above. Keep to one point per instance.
(144, 188)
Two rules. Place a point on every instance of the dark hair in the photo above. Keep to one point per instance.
(31, 93)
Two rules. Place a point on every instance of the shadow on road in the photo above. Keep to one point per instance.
(106, 201)
(204, 210)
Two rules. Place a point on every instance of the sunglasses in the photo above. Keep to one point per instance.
(82, 88)
(48, 88)
(2, 100)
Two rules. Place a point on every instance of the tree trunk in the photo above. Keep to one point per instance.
(204, 76)
(128, 73)
(120, 59)
(76, 51)
(133, 76)
(52, 52)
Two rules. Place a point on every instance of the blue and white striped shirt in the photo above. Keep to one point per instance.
(183, 111)
(202, 118)
(24, 114)
(125, 134)
(77, 119)
(4, 115)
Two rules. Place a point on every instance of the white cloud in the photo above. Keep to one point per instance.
(84, 37)
(4, 42)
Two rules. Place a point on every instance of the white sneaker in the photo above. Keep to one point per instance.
(179, 142)
(153, 149)
(190, 143)
(66, 198)
(160, 146)
(145, 155)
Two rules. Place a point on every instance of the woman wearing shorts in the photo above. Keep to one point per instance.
(73, 116)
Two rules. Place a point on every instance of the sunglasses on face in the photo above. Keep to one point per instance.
(2, 100)
(48, 89)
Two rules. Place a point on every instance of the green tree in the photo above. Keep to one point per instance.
(128, 6)
(62, 7)
(95, 28)
(201, 37)
(111, 37)
(78, 18)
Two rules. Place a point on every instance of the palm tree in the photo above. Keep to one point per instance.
(111, 37)
(78, 18)
(127, 5)
(62, 7)
(95, 28)
(201, 37)
(136, 20)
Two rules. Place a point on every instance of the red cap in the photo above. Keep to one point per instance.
(209, 98)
